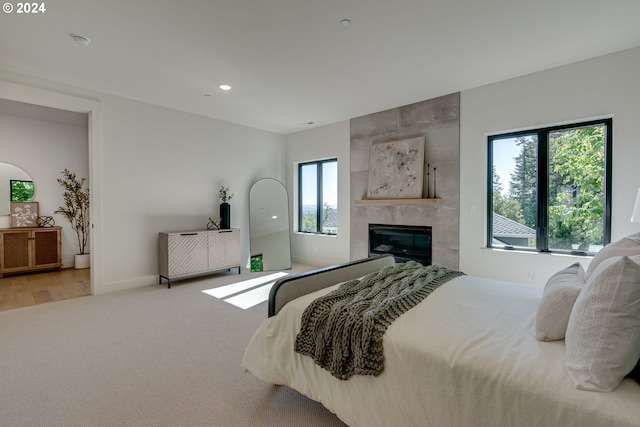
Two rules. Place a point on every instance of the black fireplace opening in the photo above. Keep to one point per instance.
(404, 242)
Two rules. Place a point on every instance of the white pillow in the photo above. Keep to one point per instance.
(629, 246)
(558, 298)
(603, 335)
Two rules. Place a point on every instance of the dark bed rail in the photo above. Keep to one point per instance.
(289, 288)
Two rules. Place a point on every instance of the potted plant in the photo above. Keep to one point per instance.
(76, 211)
(225, 207)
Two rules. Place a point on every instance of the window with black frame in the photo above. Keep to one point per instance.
(318, 197)
(549, 189)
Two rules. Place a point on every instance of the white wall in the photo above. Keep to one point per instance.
(161, 171)
(154, 169)
(331, 141)
(604, 86)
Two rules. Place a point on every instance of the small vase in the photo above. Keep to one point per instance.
(81, 261)
(225, 216)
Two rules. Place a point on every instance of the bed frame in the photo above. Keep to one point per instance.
(292, 287)
(467, 355)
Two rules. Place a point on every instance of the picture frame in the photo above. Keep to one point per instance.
(24, 214)
(396, 169)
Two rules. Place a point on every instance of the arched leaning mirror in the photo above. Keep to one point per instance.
(16, 185)
(269, 226)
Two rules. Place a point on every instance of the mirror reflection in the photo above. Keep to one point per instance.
(14, 180)
(269, 226)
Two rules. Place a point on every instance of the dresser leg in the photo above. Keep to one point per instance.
(168, 281)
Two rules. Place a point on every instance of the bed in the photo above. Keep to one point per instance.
(467, 355)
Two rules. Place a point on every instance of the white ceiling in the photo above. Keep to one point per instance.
(290, 62)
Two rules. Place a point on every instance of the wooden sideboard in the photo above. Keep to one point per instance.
(25, 249)
(191, 253)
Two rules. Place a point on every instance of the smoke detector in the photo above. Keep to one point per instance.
(81, 40)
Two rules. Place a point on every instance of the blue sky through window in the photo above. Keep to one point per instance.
(505, 152)
(329, 184)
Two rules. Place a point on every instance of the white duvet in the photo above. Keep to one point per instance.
(465, 356)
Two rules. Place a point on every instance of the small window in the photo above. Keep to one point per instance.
(549, 189)
(318, 197)
(21, 191)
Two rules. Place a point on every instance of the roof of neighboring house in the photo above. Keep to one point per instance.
(505, 227)
(332, 219)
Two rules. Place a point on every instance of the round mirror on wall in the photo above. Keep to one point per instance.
(16, 185)
(269, 226)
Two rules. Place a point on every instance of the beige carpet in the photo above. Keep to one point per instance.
(147, 357)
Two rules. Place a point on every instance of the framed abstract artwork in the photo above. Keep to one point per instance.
(396, 169)
(24, 214)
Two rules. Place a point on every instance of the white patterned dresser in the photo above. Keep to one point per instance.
(192, 253)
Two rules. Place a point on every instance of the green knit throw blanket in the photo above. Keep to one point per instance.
(342, 331)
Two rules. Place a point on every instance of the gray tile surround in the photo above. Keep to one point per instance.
(438, 120)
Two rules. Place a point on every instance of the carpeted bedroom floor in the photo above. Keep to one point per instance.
(146, 357)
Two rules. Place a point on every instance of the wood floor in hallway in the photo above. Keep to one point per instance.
(23, 290)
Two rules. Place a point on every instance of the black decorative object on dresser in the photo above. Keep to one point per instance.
(225, 207)
(225, 216)
(45, 221)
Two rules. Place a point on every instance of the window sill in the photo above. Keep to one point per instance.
(302, 233)
(430, 201)
(534, 252)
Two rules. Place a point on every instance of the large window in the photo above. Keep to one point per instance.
(550, 188)
(318, 197)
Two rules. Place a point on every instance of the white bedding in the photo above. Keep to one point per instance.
(465, 356)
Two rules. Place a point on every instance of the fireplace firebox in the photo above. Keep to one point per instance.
(404, 242)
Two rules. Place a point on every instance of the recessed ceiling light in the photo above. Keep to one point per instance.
(345, 22)
(224, 87)
(81, 40)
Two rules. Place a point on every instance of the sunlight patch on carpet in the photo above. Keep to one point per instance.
(247, 293)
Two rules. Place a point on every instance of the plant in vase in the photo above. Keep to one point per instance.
(225, 208)
(76, 211)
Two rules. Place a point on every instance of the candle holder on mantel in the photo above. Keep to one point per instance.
(429, 183)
